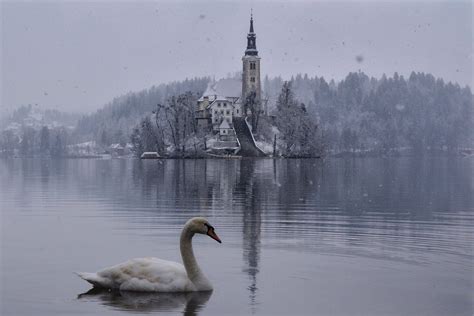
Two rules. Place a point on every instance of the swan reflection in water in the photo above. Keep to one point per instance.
(190, 303)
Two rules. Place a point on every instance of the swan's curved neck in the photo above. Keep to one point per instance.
(190, 264)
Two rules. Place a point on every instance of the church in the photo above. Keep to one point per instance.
(225, 99)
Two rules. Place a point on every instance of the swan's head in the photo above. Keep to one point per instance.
(200, 225)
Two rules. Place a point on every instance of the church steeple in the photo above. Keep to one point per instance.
(251, 69)
(251, 23)
(251, 40)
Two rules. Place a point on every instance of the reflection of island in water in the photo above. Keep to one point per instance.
(189, 303)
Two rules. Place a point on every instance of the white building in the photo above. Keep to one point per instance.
(221, 101)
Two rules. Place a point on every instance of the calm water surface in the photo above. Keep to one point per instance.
(300, 237)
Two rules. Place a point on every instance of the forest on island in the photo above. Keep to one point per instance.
(359, 115)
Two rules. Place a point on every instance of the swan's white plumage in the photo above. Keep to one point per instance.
(143, 274)
(157, 275)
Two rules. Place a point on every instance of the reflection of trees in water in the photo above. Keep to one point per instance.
(340, 200)
(396, 185)
(393, 201)
(304, 190)
(184, 184)
(190, 303)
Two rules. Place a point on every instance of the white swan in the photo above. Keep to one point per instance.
(157, 275)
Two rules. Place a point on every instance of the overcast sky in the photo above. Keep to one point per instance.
(78, 56)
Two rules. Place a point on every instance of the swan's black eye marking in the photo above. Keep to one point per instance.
(209, 227)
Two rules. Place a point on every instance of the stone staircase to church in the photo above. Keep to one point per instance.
(248, 148)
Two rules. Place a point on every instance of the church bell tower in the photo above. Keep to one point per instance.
(251, 67)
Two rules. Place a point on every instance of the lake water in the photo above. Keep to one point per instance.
(300, 237)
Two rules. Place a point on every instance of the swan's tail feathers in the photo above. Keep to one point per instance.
(92, 278)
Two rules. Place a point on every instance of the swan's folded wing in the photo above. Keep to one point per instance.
(147, 274)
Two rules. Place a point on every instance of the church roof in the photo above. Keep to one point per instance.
(224, 125)
(223, 88)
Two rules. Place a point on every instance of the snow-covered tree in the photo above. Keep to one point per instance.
(298, 131)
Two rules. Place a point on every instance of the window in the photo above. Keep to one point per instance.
(228, 112)
(215, 112)
(237, 111)
(252, 66)
(222, 111)
(218, 105)
(252, 79)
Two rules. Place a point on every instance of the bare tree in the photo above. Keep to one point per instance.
(177, 119)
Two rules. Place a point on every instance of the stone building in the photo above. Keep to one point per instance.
(226, 98)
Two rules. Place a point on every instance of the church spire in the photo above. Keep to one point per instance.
(251, 40)
(251, 22)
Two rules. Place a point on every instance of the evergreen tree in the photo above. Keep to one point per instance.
(298, 131)
(136, 141)
(9, 142)
(58, 148)
(27, 144)
(44, 140)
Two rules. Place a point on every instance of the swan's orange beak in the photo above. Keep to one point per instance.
(213, 235)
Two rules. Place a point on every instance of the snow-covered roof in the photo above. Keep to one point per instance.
(225, 88)
(221, 98)
(224, 125)
(91, 143)
(150, 154)
(116, 146)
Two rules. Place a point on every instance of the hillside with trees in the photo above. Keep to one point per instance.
(359, 115)
(389, 115)
(115, 121)
(30, 131)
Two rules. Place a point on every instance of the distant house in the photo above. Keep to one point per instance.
(150, 155)
(117, 150)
